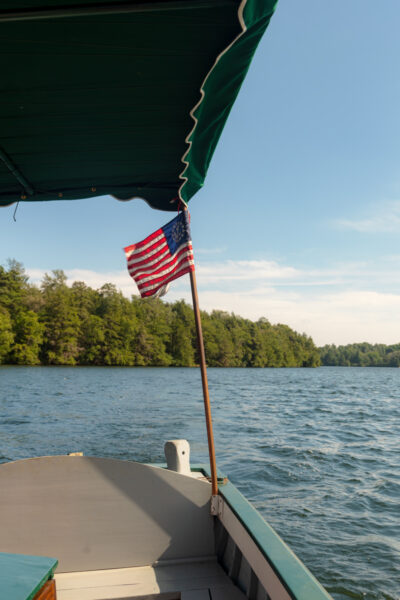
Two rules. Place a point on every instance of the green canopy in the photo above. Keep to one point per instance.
(122, 98)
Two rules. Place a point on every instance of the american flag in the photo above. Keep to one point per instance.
(162, 257)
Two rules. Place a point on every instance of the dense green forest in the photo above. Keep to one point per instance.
(360, 355)
(56, 324)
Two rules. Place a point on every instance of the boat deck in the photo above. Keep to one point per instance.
(122, 530)
(197, 580)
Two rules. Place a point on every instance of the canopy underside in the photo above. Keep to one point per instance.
(96, 98)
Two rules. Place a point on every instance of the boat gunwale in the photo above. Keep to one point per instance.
(297, 579)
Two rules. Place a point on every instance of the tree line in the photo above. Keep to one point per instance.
(360, 355)
(57, 324)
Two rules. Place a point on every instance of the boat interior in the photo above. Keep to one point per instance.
(121, 529)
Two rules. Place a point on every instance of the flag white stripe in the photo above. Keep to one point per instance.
(176, 262)
(132, 267)
(142, 248)
(148, 267)
(153, 266)
(133, 261)
(161, 283)
(149, 286)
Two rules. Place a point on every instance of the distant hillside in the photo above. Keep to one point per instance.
(360, 355)
(56, 324)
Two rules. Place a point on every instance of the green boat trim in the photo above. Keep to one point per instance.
(294, 575)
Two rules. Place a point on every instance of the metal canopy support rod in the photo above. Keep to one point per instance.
(206, 396)
(108, 8)
(16, 173)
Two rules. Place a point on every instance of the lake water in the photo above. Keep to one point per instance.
(315, 450)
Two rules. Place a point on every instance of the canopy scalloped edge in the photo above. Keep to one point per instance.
(212, 110)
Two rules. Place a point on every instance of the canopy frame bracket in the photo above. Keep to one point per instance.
(16, 173)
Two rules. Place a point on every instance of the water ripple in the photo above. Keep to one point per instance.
(315, 450)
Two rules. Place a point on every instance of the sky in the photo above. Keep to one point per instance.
(299, 217)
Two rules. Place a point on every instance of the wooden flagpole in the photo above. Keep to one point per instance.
(203, 367)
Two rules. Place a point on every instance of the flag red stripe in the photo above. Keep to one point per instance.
(135, 265)
(162, 265)
(164, 278)
(144, 254)
(140, 274)
(171, 278)
(133, 247)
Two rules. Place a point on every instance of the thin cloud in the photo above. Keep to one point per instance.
(244, 270)
(231, 272)
(384, 219)
(335, 318)
(337, 305)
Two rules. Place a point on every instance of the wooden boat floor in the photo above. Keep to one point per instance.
(197, 580)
